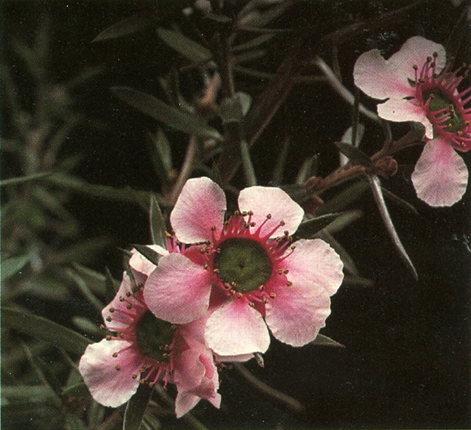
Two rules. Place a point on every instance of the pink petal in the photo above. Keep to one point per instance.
(189, 371)
(274, 201)
(142, 265)
(108, 386)
(314, 261)
(123, 320)
(415, 51)
(236, 328)
(401, 110)
(184, 403)
(297, 313)
(200, 206)
(380, 78)
(178, 290)
(440, 176)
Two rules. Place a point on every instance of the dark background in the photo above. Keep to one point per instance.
(406, 361)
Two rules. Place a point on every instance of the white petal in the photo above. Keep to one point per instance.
(415, 52)
(200, 206)
(379, 78)
(402, 110)
(236, 329)
(440, 177)
(275, 202)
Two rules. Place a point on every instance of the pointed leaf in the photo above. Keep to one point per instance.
(149, 253)
(383, 210)
(136, 408)
(399, 201)
(127, 26)
(23, 179)
(344, 198)
(44, 329)
(157, 224)
(161, 155)
(254, 43)
(354, 154)
(344, 220)
(326, 341)
(314, 225)
(188, 48)
(94, 280)
(158, 110)
(11, 266)
(73, 422)
(110, 286)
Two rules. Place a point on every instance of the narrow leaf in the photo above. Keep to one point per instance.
(354, 154)
(157, 224)
(44, 329)
(13, 265)
(76, 390)
(344, 198)
(161, 155)
(188, 48)
(127, 26)
(399, 201)
(312, 226)
(326, 341)
(110, 286)
(136, 408)
(23, 179)
(344, 220)
(160, 111)
(73, 422)
(95, 280)
(254, 43)
(383, 210)
(149, 253)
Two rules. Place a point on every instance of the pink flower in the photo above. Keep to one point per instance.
(419, 87)
(141, 348)
(247, 272)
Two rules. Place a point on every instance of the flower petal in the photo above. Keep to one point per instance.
(184, 403)
(415, 52)
(380, 78)
(141, 266)
(297, 313)
(440, 176)
(401, 110)
(116, 309)
(108, 386)
(200, 206)
(274, 201)
(235, 328)
(314, 261)
(178, 290)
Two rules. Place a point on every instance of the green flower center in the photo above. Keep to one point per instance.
(441, 101)
(154, 336)
(243, 262)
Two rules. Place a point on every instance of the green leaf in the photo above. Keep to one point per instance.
(344, 220)
(76, 390)
(344, 198)
(94, 280)
(326, 341)
(383, 210)
(136, 407)
(44, 329)
(23, 179)
(100, 191)
(149, 253)
(230, 110)
(399, 201)
(73, 422)
(82, 251)
(133, 24)
(110, 286)
(312, 226)
(161, 155)
(186, 47)
(160, 111)
(11, 266)
(83, 287)
(157, 224)
(253, 43)
(354, 154)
